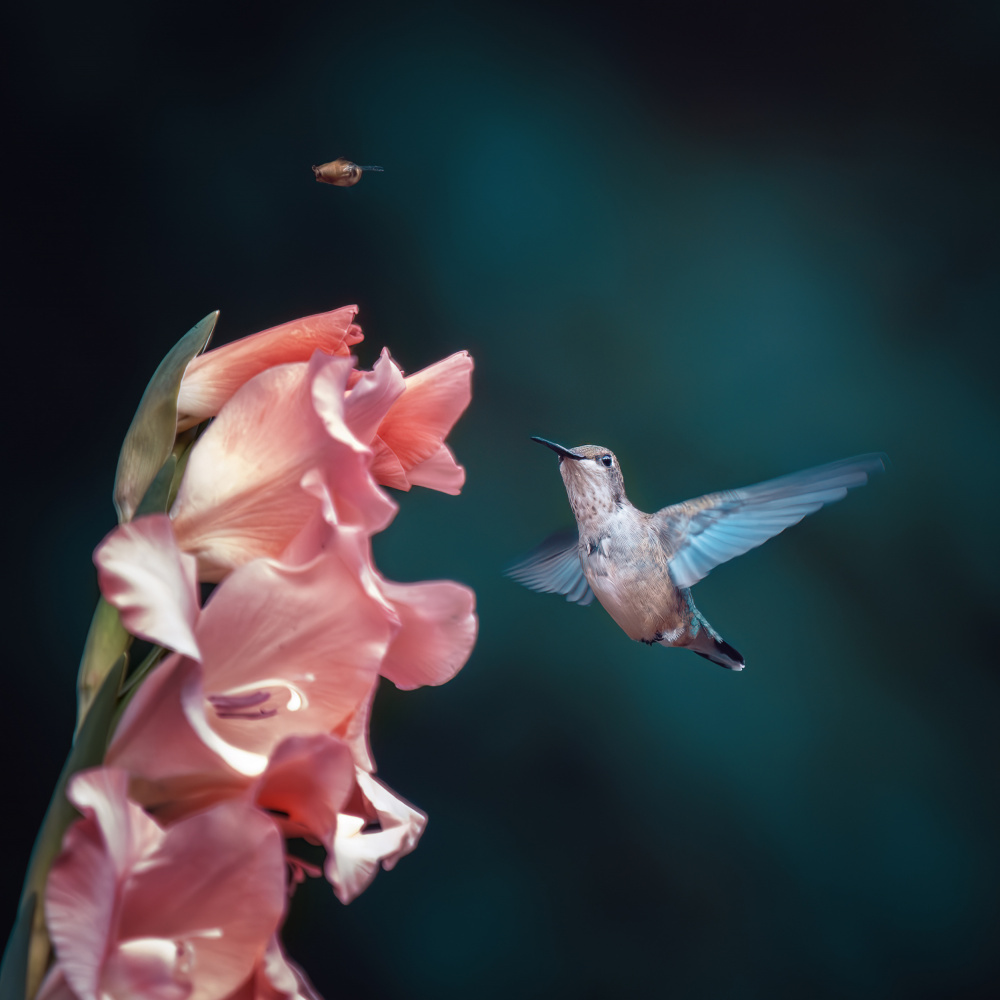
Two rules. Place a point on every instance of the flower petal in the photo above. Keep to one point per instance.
(437, 632)
(143, 573)
(151, 968)
(276, 978)
(212, 378)
(85, 883)
(55, 987)
(372, 396)
(309, 637)
(240, 497)
(358, 851)
(216, 886)
(309, 779)
(439, 472)
(192, 775)
(418, 422)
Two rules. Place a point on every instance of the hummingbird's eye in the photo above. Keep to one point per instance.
(607, 461)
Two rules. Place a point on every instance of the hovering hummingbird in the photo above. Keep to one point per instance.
(641, 566)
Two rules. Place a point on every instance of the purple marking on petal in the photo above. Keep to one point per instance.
(264, 713)
(229, 702)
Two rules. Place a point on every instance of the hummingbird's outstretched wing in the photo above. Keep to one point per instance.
(700, 534)
(554, 567)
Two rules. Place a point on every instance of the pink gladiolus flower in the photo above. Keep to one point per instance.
(436, 619)
(276, 978)
(240, 497)
(405, 421)
(268, 707)
(286, 650)
(213, 377)
(136, 910)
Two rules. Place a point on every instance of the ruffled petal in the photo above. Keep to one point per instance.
(359, 849)
(151, 968)
(372, 395)
(418, 422)
(86, 880)
(439, 472)
(436, 635)
(276, 978)
(213, 377)
(143, 573)
(305, 640)
(216, 887)
(55, 987)
(309, 779)
(241, 496)
(193, 775)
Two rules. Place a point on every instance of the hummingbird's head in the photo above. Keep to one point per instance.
(592, 478)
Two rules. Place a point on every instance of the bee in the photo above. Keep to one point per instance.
(340, 172)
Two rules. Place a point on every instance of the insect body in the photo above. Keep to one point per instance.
(341, 173)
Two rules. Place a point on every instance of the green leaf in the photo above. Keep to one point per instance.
(13, 972)
(25, 964)
(150, 438)
(157, 497)
(107, 640)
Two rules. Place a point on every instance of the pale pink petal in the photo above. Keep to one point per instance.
(358, 498)
(151, 968)
(191, 775)
(387, 468)
(143, 573)
(305, 640)
(437, 633)
(439, 472)
(216, 887)
(54, 986)
(241, 496)
(418, 422)
(354, 731)
(212, 378)
(127, 831)
(371, 397)
(434, 624)
(276, 978)
(309, 780)
(359, 850)
(85, 883)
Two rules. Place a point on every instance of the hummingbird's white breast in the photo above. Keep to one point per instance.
(628, 572)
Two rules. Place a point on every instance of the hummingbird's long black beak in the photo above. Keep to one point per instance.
(558, 449)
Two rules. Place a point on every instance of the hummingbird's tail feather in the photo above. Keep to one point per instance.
(717, 650)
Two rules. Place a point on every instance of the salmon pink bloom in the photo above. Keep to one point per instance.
(436, 620)
(405, 421)
(276, 978)
(213, 377)
(240, 497)
(265, 707)
(285, 649)
(136, 910)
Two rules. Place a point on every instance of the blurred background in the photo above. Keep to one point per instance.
(727, 241)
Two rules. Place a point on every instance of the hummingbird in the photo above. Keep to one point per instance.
(642, 567)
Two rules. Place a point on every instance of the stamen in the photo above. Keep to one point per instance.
(264, 713)
(233, 706)
(236, 699)
(229, 702)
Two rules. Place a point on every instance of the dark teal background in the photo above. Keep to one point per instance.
(725, 240)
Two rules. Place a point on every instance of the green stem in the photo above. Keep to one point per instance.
(27, 956)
